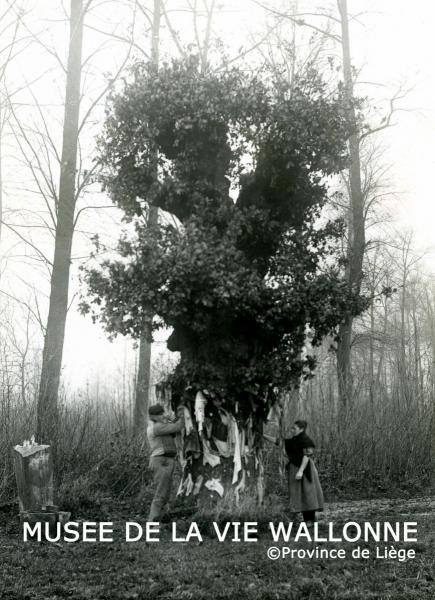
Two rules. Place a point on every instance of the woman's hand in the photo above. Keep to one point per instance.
(300, 472)
(180, 411)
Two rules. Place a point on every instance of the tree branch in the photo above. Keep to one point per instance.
(172, 30)
(386, 121)
(31, 244)
(299, 21)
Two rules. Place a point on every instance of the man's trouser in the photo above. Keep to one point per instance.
(162, 468)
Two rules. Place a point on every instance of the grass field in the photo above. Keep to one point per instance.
(130, 571)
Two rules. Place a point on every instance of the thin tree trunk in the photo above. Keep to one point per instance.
(418, 376)
(372, 334)
(1, 169)
(431, 313)
(432, 380)
(55, 331)
(382, 352)
(371, 356)
(356, 222)
(143, 381)
(403, 370)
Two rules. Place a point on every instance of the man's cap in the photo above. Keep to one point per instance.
(156, 409)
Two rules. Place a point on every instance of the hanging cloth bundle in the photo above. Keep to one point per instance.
(200, 403)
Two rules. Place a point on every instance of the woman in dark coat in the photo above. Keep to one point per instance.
(305, 491)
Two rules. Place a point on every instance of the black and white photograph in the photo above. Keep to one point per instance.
(217, 300)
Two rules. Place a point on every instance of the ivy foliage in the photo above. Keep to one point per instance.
(240, 280)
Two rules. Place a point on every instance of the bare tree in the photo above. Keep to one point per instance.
(61, 178)
(359, 200)
(10, 19)
(356, 236)
(55, 330)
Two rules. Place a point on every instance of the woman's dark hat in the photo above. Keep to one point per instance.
(156, 409)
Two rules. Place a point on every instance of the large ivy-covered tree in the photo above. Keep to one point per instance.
(248, 265)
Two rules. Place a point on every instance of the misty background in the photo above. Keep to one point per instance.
(393, 343)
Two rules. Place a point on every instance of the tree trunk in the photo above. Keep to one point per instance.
(431, 318)
(344, 374)
(372, 355)
(1, 168)
(418, 382)
(218, 481)
(383, 344)
(356, 244)
(55, 331)
(403, 370)
(143, 381)
(144, 368)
